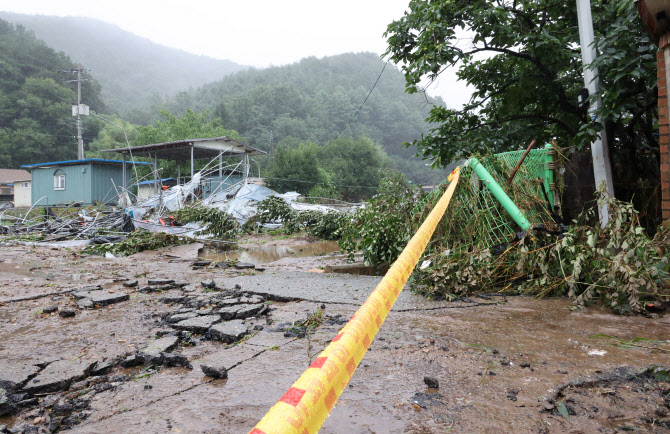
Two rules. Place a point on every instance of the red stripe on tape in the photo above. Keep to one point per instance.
(318, 362)
(293, 396)
(256, 431)
(337, 338)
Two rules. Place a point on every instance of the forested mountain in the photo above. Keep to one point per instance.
(314, 99)
(132, 70)
(36, 123)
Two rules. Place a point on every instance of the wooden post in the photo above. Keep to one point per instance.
(523, 157)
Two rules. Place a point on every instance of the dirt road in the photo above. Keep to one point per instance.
(133, 344)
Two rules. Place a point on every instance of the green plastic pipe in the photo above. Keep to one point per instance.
(549, 173)
(499, 193)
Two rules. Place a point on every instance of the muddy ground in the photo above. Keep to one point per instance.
(134, 344)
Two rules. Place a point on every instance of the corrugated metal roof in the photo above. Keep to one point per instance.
(75, 162)
(151, 182)
(14, 175)
(180, 150)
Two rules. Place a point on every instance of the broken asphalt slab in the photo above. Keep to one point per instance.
(240, 311)
(228, 332)
(323, 288)
(15, 373)
(218, 364)
(98, 297)
(162, 345)
(58, 375)
(198, 324)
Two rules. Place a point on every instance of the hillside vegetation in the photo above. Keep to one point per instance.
(36, 123)
(132, 70)
(314, 100)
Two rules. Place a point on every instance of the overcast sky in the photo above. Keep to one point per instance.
(256, 32)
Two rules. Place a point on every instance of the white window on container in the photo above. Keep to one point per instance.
(59, 180)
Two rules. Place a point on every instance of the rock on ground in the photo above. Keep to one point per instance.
(6, 407)
(218, 364)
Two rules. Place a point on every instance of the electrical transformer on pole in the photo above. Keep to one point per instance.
(79, 109)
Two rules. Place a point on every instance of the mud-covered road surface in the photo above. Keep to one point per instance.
(174, 341)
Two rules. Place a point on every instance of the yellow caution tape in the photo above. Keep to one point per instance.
(306, 405)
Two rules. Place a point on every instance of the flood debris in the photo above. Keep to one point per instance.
(206, 207)
(425, 400)
(601, 398)
(431, 382)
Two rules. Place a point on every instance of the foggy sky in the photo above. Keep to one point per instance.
(258, 32)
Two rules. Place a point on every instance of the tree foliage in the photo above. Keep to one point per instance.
(190, 125)
(524, 63)
(132, 70)
(345, 168)
(381, 230)
(355, 166)
(295, 167)
(314, 100)
(36, 123)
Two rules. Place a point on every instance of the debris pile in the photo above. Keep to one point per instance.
(72, 222)
(180, 211)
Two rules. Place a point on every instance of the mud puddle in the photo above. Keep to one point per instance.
(262, 254)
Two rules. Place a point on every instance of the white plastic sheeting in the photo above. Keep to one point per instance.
(171, 199)
(240, 201)
(187, 230)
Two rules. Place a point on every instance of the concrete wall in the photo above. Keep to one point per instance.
(22, 194)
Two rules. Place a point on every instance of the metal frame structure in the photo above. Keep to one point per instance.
(191, 150)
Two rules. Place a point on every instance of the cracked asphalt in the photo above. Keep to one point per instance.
(501, 363)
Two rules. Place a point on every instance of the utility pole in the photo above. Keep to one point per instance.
(602, 170)
(80, 109)
(272, 146)
(80, 140)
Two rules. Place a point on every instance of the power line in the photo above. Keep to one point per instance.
(359, 108)
(353, 116)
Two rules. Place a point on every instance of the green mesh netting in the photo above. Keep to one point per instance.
(475, 218)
